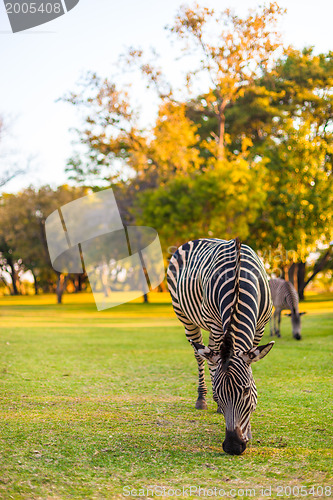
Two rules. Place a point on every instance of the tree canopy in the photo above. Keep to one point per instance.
(249, 155)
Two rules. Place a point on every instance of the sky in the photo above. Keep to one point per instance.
(40, 65)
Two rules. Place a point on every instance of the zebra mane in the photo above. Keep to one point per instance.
(227, 346)
(290, 287)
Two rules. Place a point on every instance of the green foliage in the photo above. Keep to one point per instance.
(264, 110)
(298, 212)
(22, 234)
(286, 117)
(222, 200)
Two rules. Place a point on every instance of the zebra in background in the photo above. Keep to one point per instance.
(284, 296)
(221, 286)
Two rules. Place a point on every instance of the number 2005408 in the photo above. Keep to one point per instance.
(33, 8)
(303, 491)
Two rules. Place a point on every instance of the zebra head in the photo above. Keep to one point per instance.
(234, 388)
(296, 322)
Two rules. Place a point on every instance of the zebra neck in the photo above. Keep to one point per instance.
(243, 342)
(292, 303)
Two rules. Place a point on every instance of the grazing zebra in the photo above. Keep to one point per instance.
(221, 286)
(284, 296)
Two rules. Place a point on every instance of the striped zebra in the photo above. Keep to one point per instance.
(221, 286)
(284, 296)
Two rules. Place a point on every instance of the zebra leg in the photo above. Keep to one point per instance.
(271, 326)
(276, 321)
(212, 369)
(195, 335)
(279, 323)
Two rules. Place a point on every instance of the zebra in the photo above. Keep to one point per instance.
(284, 296)
(221, 286)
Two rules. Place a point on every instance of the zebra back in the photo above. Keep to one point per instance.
(284, 295)
(220, 286)
(236, 285)
(228, 344)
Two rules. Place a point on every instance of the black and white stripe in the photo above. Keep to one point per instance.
(221, 286)
(284, 296)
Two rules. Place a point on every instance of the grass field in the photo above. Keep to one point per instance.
(96, 401)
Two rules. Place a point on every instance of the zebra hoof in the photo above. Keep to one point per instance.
(201, 404)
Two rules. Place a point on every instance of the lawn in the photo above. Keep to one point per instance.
(94, 402)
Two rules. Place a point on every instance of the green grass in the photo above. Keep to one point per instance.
(93, 401)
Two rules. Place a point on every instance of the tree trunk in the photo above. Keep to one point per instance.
(320, 265)
(292, 273)
(147, 281)
(61, 286)
(78, 283)
(15, 289)
(35, 282)
(13, 275)
(221, 152)
(301, 279)
(285, 273)
(162, 288)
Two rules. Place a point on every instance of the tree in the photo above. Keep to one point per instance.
(259, 109)
(116, 149)
(324, 262)
(23, 243)
(9, 264)
(298, 143)
(287, 118)
(299, 203)
(219, 202)
(233, 52)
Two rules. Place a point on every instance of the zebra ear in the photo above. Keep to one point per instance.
(206, 352)
(256, 353)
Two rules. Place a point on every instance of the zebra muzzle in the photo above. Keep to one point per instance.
(234, 443)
